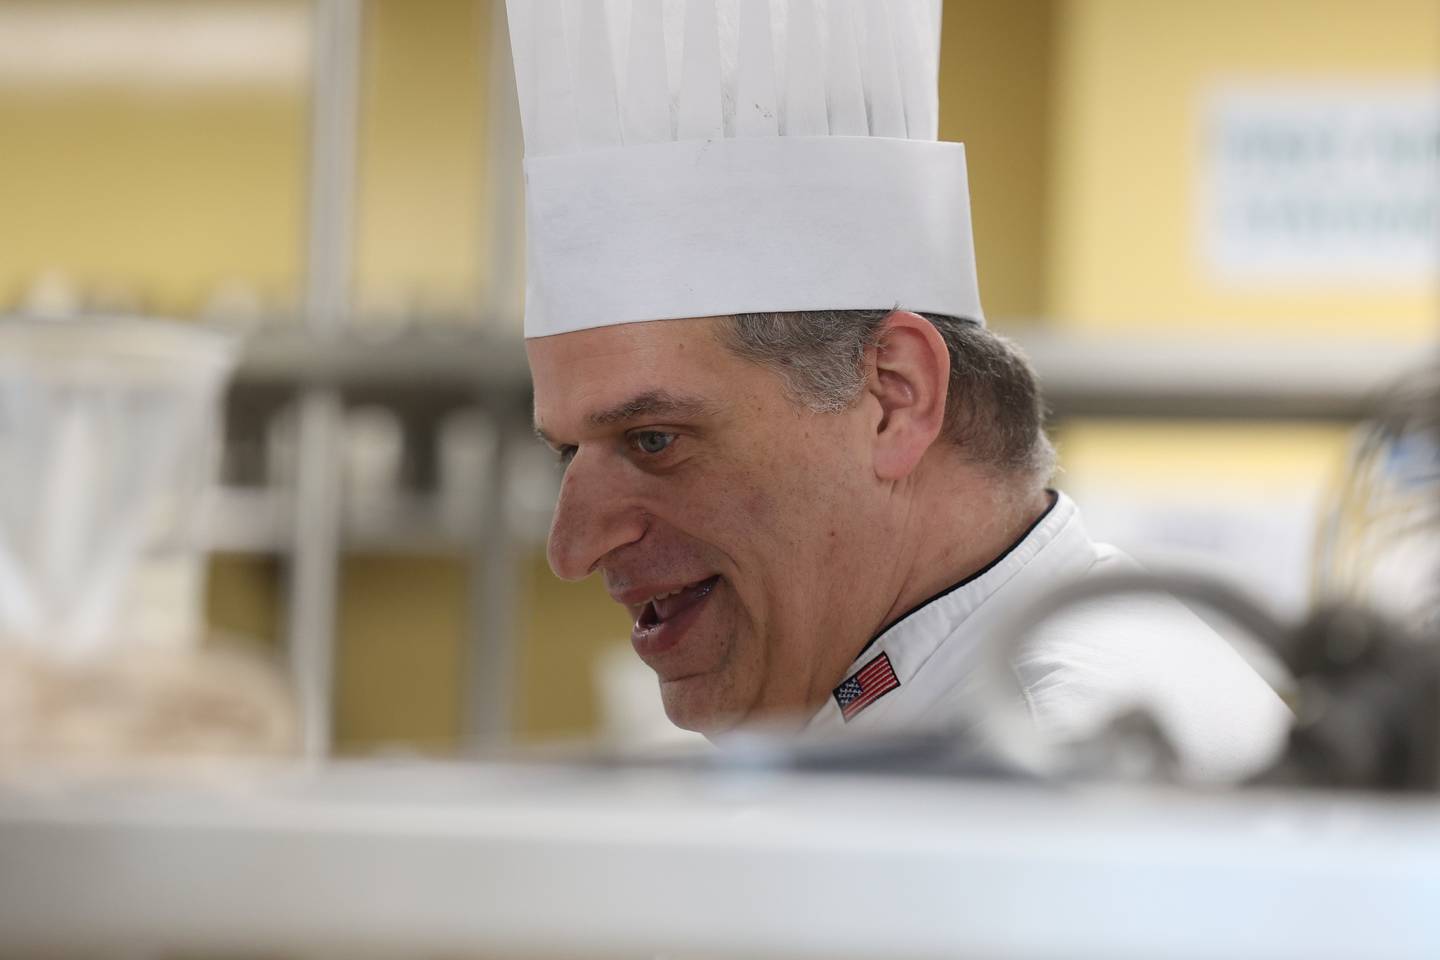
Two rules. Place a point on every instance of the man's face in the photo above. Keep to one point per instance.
(735, 525)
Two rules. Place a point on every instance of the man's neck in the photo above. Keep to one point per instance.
(952, 544)
(950, 532)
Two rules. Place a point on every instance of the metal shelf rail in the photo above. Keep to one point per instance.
(317, 493)
(1158, 377)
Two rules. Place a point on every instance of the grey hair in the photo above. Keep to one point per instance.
(994, 411)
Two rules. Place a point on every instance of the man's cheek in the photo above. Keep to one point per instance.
(727, 507)
(757, 507)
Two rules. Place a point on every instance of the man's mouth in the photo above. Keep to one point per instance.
(663, 619)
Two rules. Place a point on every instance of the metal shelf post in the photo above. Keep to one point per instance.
(315, 555)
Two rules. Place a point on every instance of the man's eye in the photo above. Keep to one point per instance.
(651, 442)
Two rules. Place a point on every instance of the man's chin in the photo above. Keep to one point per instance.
(692, 703)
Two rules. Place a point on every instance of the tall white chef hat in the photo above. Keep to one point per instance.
(689, 158)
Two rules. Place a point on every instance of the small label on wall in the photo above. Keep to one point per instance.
(1322, 184)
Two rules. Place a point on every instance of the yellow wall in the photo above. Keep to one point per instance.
(1129, 78)
(243, 599)
(171, 194)
(422, 168)
(995, 95)
(398, 662)
(400, 655)
(565, 628)
(1204, 460)
(159, 196)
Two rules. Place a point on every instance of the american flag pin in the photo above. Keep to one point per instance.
(868, 684)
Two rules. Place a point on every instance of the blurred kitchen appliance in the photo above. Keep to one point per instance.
(1366, 658)
(108, 439)
(1379, 540)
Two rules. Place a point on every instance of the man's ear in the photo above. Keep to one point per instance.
(910, 380)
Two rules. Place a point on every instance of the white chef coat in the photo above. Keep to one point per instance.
(1079, 668)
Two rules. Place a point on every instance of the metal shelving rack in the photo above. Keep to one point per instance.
(320, 362)
(314, 554)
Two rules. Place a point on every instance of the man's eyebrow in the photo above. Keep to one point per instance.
(652, 403)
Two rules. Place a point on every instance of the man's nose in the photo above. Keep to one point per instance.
(593, 516)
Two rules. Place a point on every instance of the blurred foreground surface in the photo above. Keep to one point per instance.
(582, 860)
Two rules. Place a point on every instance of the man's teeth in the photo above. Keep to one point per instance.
(677, 590)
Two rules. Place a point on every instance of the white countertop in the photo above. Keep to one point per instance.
(579, 861)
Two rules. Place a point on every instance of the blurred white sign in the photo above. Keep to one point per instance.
(1322, 184)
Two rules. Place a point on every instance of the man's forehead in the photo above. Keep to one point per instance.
(604, 376)
(637, 335)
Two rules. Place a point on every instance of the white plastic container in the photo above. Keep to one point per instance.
(108, 437)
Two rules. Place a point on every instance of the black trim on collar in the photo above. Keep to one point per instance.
(1054, 500)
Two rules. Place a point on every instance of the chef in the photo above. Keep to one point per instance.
(791, 448)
